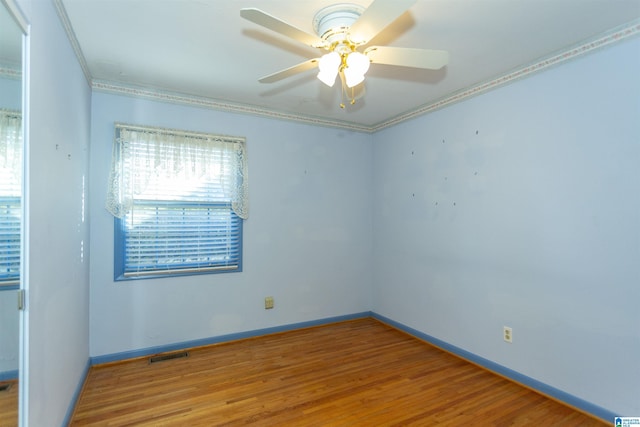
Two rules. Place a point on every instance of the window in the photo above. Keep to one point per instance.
(179, 199)
(10, 197)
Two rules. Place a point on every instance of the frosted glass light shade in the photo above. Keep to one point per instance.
(352, 78)
(358, 62)
(328, 68)
(357, 66)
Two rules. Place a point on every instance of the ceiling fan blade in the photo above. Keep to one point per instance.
(271, 22)
(408, 57)
(376, 17)
(288, 72)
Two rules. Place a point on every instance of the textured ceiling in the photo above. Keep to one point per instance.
(203, 49)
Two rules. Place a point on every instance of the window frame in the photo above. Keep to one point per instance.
(234, 235)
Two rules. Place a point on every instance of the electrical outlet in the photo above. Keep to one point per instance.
(507, 334)
(268, 303)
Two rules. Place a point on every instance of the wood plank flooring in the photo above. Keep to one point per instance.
(355, 373)
(9, 404)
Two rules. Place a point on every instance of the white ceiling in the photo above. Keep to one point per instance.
(203, 48)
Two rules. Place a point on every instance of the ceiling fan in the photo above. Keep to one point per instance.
(343, 30)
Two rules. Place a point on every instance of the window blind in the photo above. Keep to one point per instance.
(10, 196)
(179, 237)
(10, 213)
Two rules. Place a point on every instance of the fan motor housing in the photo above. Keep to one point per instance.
(332, 22)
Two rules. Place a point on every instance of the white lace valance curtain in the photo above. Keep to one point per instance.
(150, 161)
(10, 153)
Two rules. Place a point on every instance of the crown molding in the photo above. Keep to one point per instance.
(610, 37)
(71, 35)
(214, 104)
(613, 36)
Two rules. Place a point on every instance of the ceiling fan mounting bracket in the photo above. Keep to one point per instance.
(332, 22)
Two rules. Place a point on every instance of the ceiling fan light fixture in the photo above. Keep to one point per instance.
(358, 62)
(357, 67)
(328, 67)
(352, 78)
(342, 29)
(327, 78)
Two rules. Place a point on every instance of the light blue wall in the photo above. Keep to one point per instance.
(11, 93)
(57, 272)
(307, 241)
(520, 207)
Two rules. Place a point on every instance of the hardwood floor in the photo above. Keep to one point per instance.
(9, 403)
(355, 373)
